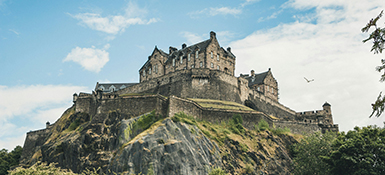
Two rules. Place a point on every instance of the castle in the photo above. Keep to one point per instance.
(199, 81)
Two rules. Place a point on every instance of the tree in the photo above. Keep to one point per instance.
(8, 160)
(361, 152)
(378, 38)
(309, 151)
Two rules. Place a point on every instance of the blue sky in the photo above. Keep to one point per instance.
(52, 49)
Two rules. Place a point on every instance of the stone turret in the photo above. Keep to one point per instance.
(75, 97)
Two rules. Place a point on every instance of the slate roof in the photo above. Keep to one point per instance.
(201, 46)
(110, 87)
(257, 78)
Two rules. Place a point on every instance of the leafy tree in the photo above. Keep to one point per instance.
(8, 160)
(309, 151)
(378, 38)
(358, 152)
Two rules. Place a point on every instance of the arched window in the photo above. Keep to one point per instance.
(181, 59)
(217, 57)
(218, 67)
(189, 57)
(212, 55)
(149, 71)
(201, 64)
(212, 65)
(197, 54)
(173, 62)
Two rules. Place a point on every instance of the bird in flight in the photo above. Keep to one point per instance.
(308, 80)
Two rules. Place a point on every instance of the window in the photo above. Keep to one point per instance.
(217, 67)
(192, 66)
(144, 73)
(272, 90)
(189, 57)
(197, 54)
(218, 57)
(185, 68)
(156, 69)
(181, 59)
(259, 89)
(149, 71)
(212, 65)
(212, 55)
(267, 87)
(173, 62)
(231, 63)
(201, 64)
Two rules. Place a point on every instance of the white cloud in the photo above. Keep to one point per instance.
(115, 24)
(192, 38)
(24, 108)
(14, 31)
(248, 2)
(214, 11)
(91, 59)
(330, 51)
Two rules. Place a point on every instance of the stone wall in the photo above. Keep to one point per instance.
(33, 141)
(250, 118)
(298, 127)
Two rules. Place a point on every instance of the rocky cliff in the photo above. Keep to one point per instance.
(153, 144)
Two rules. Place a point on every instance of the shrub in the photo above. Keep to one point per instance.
(217, 171)
(279, 131)
(263, 125)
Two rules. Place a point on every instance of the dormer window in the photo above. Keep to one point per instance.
(212, 55)
(218, 57)
(181, 59)
(197, 54)
(189, 57)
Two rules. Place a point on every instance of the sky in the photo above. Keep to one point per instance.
(50, 50)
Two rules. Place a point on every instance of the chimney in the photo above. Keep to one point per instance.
(184, 45)
(212, 35)
(172, 49)
(47, 124)
(229, 49)
(252, 73)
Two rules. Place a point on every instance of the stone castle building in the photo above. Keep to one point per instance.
(193, 80)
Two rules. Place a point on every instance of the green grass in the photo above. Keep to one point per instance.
(219, 104)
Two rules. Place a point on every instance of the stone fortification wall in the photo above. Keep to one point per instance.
(250, 118)
(264, 104)
(134, 105)
(86, 103)
(193, 83)
(33, 141)
(298, 127)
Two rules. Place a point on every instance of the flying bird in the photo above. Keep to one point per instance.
(308, 80)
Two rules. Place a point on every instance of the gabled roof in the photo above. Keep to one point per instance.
(200, 46)
(257, 78)
(107, 87)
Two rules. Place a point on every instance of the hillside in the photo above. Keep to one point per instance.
(151, 143)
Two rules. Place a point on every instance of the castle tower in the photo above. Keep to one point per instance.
(328, 110)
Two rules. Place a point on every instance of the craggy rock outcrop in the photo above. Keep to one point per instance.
(171, 148)
(123, 145)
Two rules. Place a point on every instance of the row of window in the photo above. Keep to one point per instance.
(267, 88)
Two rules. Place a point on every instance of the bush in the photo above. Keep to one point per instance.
(263, 125)
(236, 124)
(279, 131)
(217, 171)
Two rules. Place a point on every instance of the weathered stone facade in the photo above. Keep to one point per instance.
(206, 54)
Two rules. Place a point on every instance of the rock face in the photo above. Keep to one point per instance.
(115, 143)
(151, 144)
(171, 148)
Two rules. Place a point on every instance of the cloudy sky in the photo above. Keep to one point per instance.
(52, 49)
